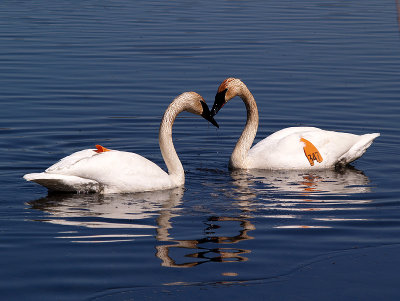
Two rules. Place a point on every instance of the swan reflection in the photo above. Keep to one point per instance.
(283, 199)
(207, 249)
(122, 214)
(112, 211)
(289, 195)
(346, 181)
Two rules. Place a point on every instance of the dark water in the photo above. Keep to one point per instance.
(78, 73)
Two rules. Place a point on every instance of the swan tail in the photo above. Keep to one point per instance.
(63, 183)
(358, 149)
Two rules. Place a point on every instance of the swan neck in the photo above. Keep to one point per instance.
(171, 159)
(239, 158)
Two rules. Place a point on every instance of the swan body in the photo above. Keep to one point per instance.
(290, 148)
(112, 171)
(285, 150)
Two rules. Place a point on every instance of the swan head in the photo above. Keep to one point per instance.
(197, 105)
(228, 89)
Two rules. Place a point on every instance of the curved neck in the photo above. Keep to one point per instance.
(243, 145)
(171, 159)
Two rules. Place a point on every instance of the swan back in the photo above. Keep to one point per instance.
(285, 149)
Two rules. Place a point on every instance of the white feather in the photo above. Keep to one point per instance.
(284, 150)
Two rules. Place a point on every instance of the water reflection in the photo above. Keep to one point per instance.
(343, 182)
(114, 211)
(207, 249)
(124, 213)
(283, 199)
(293, 195)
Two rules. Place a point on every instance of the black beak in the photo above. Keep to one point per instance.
(207, 115)
(219, 102)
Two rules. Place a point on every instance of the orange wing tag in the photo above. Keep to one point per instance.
(311, 152)
(101, 149)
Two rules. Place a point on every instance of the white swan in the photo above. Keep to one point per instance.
(290, 148)
(112, 171)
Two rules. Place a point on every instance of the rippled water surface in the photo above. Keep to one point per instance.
(78, 73)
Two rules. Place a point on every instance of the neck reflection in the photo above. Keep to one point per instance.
(127, 217)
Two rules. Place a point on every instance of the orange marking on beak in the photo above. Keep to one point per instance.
(101, 149)
(311, 152)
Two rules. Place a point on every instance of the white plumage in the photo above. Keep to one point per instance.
(112, 171)
(285, 150)
(290, 148)
(109, 172)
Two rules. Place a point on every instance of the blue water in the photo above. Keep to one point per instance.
(78, 73)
